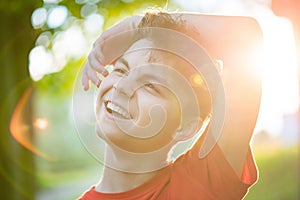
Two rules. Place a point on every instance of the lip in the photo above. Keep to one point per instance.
(108, 114)
(113, 114)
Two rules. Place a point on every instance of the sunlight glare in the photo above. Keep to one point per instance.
(20, 129)
(279, 70)
(280, 83)
(41, 123)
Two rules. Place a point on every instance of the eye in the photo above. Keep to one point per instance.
(151, 87)
(120, 70)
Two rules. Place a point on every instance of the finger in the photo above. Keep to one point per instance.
(92, 75)
(97, 54)
(97, 65)
(102, 70)
(85, 80)
(99, 60)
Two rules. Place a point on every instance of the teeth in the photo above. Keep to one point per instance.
(118, 110)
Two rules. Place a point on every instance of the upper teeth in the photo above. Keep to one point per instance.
(117, 109)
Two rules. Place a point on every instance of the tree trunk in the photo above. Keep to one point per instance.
(16, 39)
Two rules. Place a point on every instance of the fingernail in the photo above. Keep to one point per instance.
(98, 83)
(105, 73)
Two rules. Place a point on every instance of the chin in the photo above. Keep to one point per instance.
(99, 132)
(109, 135)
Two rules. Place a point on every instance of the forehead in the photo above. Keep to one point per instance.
(145, 52)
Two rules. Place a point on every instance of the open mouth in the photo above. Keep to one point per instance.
(116, 110)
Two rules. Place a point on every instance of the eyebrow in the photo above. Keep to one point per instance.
(151, 76)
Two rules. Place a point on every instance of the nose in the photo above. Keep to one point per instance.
(125, 86)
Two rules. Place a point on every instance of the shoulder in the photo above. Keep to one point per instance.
(211, 177)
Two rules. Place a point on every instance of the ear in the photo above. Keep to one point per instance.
(188, 129)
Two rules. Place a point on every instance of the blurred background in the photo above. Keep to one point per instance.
(45, 43)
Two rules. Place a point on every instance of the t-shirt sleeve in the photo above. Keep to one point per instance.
(214, 175)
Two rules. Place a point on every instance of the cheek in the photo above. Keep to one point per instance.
(169, 105)
(105, 86)
(164, 110)
(107, 83)
(174, 112)
(143, 110)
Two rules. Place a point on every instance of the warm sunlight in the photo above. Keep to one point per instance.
(279, 72)
(279, 67)
(21, 130)
(41, 123)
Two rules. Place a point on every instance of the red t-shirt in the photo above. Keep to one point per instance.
(191, 178)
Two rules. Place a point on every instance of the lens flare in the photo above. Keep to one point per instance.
(41, 123)
(197, 81)
(20, 130)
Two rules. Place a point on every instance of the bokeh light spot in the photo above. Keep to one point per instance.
(40, 62)
(81, 1)
(88, 9)
(51, 1)
(94, 23)
(44, 39)
(197, 80)
(39, 17)
(41, 123)
(57, 16)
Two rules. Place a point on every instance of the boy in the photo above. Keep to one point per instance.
(152, 100)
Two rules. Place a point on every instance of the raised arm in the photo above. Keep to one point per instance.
(237, 42)
(97, 59)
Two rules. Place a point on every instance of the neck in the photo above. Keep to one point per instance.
(130, 162)
(125, 170)
(114, 181)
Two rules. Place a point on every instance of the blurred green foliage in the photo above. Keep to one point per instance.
(278, 175)
(112, 8)
(17, 38)
(60, 84)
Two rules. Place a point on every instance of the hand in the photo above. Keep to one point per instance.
(101, 56)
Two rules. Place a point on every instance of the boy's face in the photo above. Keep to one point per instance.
(137, 106)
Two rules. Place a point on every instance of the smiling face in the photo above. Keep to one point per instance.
(137, 107)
